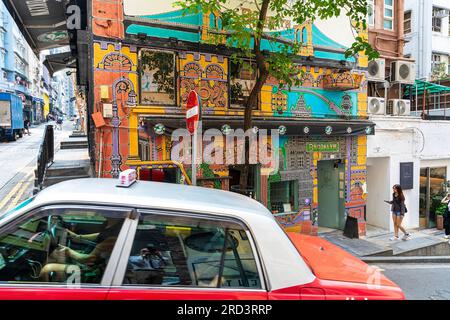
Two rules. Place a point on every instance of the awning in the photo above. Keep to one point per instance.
(59, 61)
(294, 127)
(431, 88)
(43, 22)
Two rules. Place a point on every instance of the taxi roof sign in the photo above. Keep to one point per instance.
(127, 178)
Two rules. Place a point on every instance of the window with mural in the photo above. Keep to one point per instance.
(157, 77)
(242, 81)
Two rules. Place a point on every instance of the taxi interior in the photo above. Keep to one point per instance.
(191, 253)
(35, 243)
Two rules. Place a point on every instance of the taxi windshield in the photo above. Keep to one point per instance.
(17, 208)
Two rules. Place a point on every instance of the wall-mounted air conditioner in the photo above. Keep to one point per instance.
(376, 105)
(376, 70)
(403, 72)
(398, 107)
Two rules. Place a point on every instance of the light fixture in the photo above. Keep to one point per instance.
(349, 130)
(282, 130)
(131, 101)
(226, 129)
(159, 129)
(328, 130)
(368, 130)
(255, 130)
(306, 130)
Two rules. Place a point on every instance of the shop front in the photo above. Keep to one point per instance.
(434, 186)
(37, 106)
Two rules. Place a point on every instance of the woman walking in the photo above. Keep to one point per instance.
(398, 209)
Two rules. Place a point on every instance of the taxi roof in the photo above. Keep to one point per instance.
(151, 195)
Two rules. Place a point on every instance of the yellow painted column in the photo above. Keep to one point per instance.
(134, 137)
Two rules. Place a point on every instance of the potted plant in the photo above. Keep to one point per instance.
(440, 216)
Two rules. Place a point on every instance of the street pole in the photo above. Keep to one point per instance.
(194, 156)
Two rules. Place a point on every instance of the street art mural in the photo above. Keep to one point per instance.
(145, 80)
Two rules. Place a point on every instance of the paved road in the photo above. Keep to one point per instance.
(420, 281)
(18, 162)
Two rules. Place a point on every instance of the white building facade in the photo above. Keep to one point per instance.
(427, 34)
(422, 144)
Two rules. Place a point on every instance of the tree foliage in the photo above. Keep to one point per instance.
(246, 23)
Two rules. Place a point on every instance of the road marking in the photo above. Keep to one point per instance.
(19, 195)
(24, 183)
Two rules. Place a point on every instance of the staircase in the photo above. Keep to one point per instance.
(70, 162)
(74, 143)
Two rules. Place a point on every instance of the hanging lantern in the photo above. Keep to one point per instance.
(349, 130)
(368, 130)
(306, 130)
(328, 130)
(255, 130)
(132, 101)
(282, 130)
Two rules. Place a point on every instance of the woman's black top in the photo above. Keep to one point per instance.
(397, 204)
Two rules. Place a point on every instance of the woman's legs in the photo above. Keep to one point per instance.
(394, 219)
(399, 224)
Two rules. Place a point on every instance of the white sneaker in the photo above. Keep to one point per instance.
(406, 237)
(393, 239)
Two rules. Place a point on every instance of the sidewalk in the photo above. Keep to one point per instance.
(426, 242)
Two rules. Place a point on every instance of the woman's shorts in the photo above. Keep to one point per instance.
(398, 214)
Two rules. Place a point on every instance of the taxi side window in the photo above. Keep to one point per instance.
(67, 246)
(196, 252)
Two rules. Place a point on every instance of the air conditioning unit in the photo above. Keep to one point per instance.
(398, 107)
(441, 14)
(403, 72)
(376, 70)
(376, 105)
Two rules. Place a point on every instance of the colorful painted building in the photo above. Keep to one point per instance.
(148, 57)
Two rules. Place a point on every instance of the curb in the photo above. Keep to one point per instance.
(413, 259)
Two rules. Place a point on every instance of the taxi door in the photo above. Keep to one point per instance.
(187, 256)
(39, 252)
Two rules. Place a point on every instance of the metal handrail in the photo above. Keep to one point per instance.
(45, 157)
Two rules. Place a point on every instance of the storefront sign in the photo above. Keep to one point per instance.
(322, 147)
(407, 175)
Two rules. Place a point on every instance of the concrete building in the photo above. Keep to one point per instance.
(406, 149)
(20, 67)
(422, 145)
(428, 35)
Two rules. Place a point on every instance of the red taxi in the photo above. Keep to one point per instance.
(90, 239)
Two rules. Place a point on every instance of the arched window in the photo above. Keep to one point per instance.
(212, 21)
(219, 23)
(304, 35)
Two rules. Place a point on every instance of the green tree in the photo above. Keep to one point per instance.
(246, 29)
(439, 72)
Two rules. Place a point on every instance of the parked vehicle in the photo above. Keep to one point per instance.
(93, 239)
(11, 116)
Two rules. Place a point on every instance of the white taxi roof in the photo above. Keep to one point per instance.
(271, 241)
